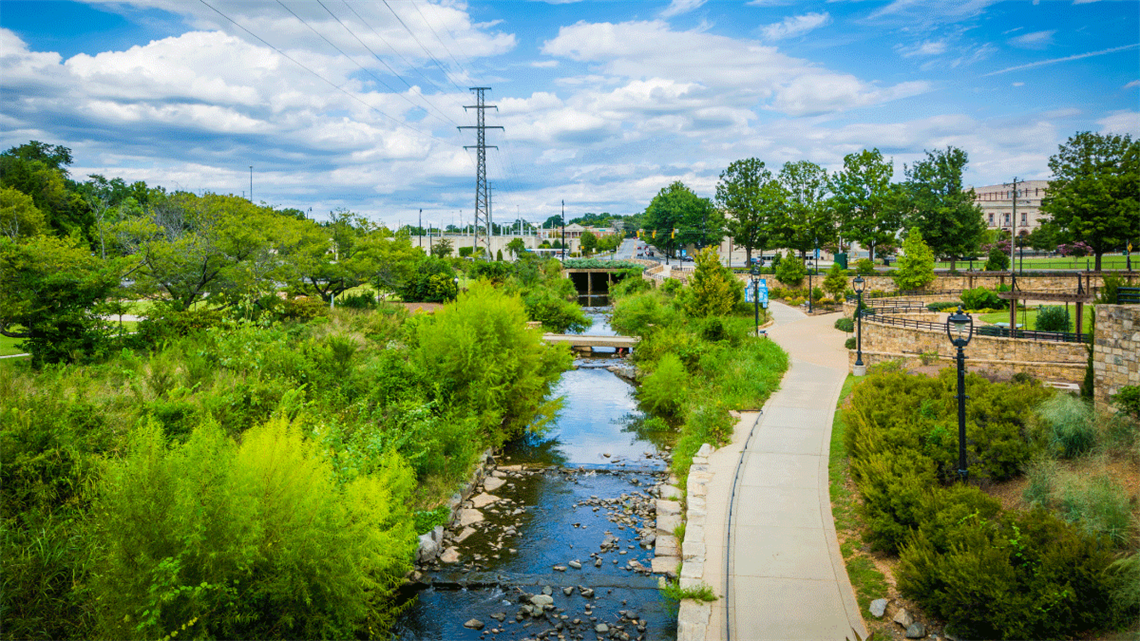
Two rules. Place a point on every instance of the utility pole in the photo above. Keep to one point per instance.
(482, 193)
(562, 219)
(490, 201)
(251, 183)
(1013, 229)
(421, 228)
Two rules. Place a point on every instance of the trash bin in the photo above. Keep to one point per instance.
(841, 260)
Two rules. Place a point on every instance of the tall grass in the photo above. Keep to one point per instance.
(1070, 424)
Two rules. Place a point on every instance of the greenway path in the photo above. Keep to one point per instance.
(769, 529)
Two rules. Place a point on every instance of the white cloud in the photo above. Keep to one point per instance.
(678, 7)
(1035, 40)
(1041, 63)
(795, 26)
(927, 48)
(1134, 83)
(1019, 84)
(811, 95)
(1121, 122)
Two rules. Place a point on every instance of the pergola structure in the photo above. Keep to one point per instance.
(1081, 297)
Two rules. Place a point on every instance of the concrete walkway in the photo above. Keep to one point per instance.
(786, 576)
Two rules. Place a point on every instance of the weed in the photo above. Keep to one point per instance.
(1070, 423)
(702, 592)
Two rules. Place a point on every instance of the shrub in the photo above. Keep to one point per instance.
(663, 390)
(850, 343)
(998, 260)
(1127, 400)
(981, 298)
(791, 271)
(1097, 505)
(629, 286)
(943, 307)
(816, 293)
(916, 265)
(836, 282)
(1053, 318)
(892, 486)
(1020, 576)
(715, 290)
(1069, 421)
(845, 324)
(865, 267)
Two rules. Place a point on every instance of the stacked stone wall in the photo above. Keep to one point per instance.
(1061, 282)
(1116, 355)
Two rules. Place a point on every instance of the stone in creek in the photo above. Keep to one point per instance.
(601, 628)
(560, 568)
(450, 555)
(587, 592)
(492, 484)
(567, 591)
(575, 564)
(499, 616)
(598, 563)
(474, 624)
(547, 590)
(541, 600)
(428, 549)
(483, 500)
(467, 531)
(469, 517)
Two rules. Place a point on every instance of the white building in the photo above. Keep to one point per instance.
(997, 205)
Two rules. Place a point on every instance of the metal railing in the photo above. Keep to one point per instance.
(1128, 295)
(983, 330)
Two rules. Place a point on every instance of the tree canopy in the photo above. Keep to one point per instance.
(695, 219)
(753, 201)
(866, 201)
(808, 220)
(1095, 194)
(949, 219)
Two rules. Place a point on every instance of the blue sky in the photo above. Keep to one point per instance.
(355, 104)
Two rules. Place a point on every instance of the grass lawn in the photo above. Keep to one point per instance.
(868, 581)
(1028, 318)
(8, 346)
(1060, 262)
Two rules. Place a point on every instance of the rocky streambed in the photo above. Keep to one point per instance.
(559, 536)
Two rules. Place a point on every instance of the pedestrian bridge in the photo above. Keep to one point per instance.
(581, 341)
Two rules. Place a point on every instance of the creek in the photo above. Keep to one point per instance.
(570, 509)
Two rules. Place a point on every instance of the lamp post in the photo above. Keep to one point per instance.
(858, 285)
(455, 281)
(755, 272)
(963, 331)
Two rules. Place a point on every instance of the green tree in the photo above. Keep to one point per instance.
(790, 270)
(715, 291)
(916, 265)
(40, 171)
(865, 200)
(19, 216)
(1095, 194)
(949, 219)
(517, 247)
(52, 296)
(442, 248)
(836, 281)
(676, 207)
(588, 243)
(753, 201)
(808, 220)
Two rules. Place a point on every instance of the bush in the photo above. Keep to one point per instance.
(943, 307)
(865, 267)
(1069, 421)
(850, 343)
(845, 324)
(981, 298)
(1127, 400)
(791, 271)
(916, 267)
(1053, 318)
(892, 487)
(1020, 576)
(629, 286)
(997, 260)
(663, 391)
(715, 291)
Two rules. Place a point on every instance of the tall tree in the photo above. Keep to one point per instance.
(696, 220)
(808, 218)
(752, 200)
(40, 171)
(935, 203)
(1095, 194)
(865, 200)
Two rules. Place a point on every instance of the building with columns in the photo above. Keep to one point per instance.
(996, 202)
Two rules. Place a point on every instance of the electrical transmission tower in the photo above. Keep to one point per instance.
(482, 193)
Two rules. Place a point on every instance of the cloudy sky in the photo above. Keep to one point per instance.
(356, 104)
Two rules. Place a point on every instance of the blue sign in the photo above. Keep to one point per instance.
(817, 253)
(762, 292)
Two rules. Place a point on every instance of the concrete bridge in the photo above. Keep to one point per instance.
(578, 341)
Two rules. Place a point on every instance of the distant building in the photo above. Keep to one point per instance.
(996, 202)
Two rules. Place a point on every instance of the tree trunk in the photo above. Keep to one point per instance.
(1097, 264)
(747, 257)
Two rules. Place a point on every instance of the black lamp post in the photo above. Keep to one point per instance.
(858, 285)
(962, 325)
(456, 282)
(755, 272)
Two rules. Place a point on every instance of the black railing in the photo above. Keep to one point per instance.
(983, 330)
(1128, 295)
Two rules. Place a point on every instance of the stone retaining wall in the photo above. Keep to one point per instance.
(1043, 359)
(693, 616)
(1065, 282)
(1116, 354)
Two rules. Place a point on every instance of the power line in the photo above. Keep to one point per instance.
(482, 194)
(429, 54)
(394, 50)
(362, 67)
(433, 32)
(453, 39)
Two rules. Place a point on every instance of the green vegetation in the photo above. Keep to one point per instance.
(1108, 262)
(791, 271)
(845, 324)
(1049, 572)
(1028, 318)
(699, 367)
(1053, 318)
(675, 592)
(916, 266)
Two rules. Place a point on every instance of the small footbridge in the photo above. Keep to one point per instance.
(579, 341)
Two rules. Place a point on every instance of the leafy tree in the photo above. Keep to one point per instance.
(808, 220)
(916, 266)
(676, 207)
(753, 201)
(588, 243)
(432, 281)
(790, 271)
(19, 216)
(442, 248)
(1095, 195)
(517, 247)
(865, 200)
(949, 219)
(998, 260)
(1044, 238)
(836, 281)
(40, 171)
(715, 291)
(53, 291)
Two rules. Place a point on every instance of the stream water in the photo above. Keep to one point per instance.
(566, 525)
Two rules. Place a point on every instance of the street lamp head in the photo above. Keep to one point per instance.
(858, 284)
(755, 271)
(960, 328)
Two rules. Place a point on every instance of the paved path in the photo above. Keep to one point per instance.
(786, 577)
